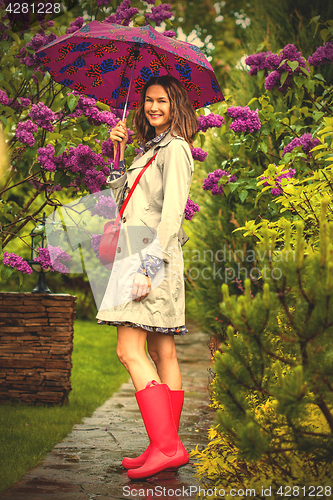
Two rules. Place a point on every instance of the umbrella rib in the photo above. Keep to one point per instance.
(128, 59)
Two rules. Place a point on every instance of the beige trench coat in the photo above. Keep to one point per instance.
(158, 203)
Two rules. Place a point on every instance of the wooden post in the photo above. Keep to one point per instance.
(36, 343)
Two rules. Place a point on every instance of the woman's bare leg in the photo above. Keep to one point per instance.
(131, 353)
(162, 350)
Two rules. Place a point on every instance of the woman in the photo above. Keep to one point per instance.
(166, 124)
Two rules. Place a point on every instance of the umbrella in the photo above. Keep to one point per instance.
(112, 63)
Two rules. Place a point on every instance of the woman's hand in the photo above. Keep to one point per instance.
(119, 135)
(141, 287)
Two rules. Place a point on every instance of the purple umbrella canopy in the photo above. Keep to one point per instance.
(104, 61)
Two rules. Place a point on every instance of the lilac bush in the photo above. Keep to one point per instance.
(160, 13)
(51, 257)
(209, 121)
(42, 116)
(123, 14)
(212, 180)
(305, 141)
(276, 65)
(245, 120)
(24, 132)
(322, 55)
(198, 154)
(190, 209)
(75, 25)
(16, 262)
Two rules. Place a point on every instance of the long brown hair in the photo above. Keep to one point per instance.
(184, 121)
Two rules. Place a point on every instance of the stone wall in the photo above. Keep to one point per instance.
(36, 343)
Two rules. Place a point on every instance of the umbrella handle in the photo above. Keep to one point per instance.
(117, 158)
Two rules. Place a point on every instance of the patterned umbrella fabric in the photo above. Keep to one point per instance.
(98, 59)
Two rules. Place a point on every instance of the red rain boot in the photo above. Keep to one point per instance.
(177, 401)
(166, 449)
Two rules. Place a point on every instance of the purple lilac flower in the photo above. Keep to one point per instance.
(87, 106)
(305, 141)
(322, 55)
(190, 209)
(150, 2)
(212, 180)
(83, 161)
(198, 154)
(209, 121)
(21, 101)
(285, 174)
(37, 42)
(24, 131)
(13, 260)
(43, 116)
(245, 120)
(3, 98)
(95, 241)
(107, 148)
(50, 257)
(262, 60)
(75, 25)
(123, 14)
(100, 3)
(46, 158)
(46, 24)
(289, 54)
(169, 33)
(104, 207)
(159, 13)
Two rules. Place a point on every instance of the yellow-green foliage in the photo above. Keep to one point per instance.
(219, 466)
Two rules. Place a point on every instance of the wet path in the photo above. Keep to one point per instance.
(87, 464)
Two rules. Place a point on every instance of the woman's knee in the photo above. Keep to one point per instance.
(160, 353)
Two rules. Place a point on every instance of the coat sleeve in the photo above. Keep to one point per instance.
(177, 175)
(117, 182)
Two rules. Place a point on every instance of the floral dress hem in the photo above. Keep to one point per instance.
(179, 330)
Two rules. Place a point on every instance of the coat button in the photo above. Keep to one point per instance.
(128, 190)
(118, 250)
(145, 240)
(124, 219)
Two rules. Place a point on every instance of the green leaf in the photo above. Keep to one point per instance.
(315, 19)
(293, 64)
(6, 272)
(284, 77)
(72, 101)
(103, 106)
(14, 36)
(324, 34)
(202, 140)
(243, 194)
(319, 77)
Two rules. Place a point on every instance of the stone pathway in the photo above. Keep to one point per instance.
(87, 464)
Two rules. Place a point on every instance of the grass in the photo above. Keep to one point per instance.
(28, 433)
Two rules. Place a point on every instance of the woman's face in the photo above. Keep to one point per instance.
(157, 108)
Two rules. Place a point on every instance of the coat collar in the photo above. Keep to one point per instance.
(141, 161)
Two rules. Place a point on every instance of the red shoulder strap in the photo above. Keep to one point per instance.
(132, 189)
